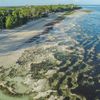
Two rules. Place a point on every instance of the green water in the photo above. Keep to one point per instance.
(7, 97)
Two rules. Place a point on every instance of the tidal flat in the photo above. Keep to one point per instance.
(62, 63)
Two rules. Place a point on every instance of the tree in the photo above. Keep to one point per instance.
(9, 22)
(1, 22)
(16, 16)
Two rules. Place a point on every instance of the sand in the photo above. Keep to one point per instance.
(13, 42)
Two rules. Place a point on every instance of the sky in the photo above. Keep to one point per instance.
(44, 2)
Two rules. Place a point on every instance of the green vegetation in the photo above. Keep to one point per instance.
(16, 16)
(9, 22)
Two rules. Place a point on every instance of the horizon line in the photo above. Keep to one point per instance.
(48, 4)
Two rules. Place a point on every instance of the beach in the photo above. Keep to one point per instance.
(53, 58)
(12, 43)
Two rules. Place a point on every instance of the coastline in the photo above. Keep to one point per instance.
(20, 37)
(17, 55)
(55, 59)
(23, 34)
(54, 54)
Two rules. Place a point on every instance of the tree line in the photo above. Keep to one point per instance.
(12, 17)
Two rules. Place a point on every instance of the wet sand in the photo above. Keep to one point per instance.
(14, 42)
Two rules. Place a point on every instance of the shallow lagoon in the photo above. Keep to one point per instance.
(81, 35)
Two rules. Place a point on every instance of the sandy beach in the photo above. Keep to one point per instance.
(13, 42)
(52, 58)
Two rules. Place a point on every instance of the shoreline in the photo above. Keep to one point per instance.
(26, 38)
(43, 69)
(26, 33)
(36, 28)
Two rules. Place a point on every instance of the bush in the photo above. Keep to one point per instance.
(13, 17)
(9, 22)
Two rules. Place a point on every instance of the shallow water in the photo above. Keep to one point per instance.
(4, 96)
(76, 31)
(82, 30)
